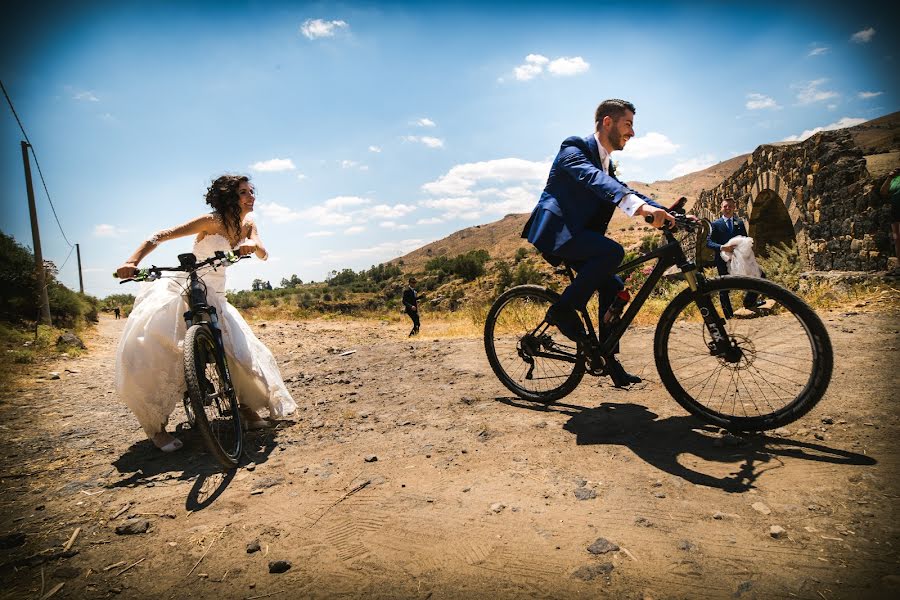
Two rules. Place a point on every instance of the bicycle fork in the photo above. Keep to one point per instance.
(719, 343)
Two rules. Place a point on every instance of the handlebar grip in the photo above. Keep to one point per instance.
(115, 275)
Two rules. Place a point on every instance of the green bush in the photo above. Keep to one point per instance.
(468, 266)
(782, 265)
(527, 273)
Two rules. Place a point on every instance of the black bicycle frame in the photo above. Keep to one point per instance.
(670, 254)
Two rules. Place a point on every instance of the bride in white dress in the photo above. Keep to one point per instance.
(149, 371)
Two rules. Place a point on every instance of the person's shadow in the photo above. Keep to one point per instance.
(661, 442)
(144, 464)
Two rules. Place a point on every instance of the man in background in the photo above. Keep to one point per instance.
(723, 229)
(411, 305)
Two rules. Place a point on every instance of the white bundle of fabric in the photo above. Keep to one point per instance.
(741, 261)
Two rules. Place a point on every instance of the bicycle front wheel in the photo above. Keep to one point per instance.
(779, 367)
(213, 402)
(532, 359)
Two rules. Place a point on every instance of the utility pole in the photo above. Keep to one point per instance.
(36, 238)
(80, 279)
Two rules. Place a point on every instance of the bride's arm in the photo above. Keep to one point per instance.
(193, 227)
(253, 243)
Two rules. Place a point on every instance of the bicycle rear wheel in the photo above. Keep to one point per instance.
(778, 370)
(532, 359)
(213, 402)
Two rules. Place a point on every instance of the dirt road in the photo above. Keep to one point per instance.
(473, 493)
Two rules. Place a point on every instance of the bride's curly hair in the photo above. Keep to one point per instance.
(222, 195)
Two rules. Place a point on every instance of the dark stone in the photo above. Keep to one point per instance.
(253, 547)
(133, 526)
(279, 566)
(70, 339)
(602, 546)
(585, 493)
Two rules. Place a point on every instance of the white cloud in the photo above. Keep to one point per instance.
(845, 122)
(320, 234)
(104, 230)
(431, 142)
(273, 165)
(301, 177)
(818, 51)
(393, 225)
(277, 212)
(692, 165)
(864, 36)
(85, 96)
(354, 230)
(377, 253)
(759, 101)
(809, 91)
(535, 64)
(424, 122)
(384, 211)
(344, 201)
(348, 164)
(646, 146)
(867, 95)
(566, 67)
(319, 28)
(462, 178)
(474, 190)
(375, 149)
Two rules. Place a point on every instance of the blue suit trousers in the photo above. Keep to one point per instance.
(594, 257)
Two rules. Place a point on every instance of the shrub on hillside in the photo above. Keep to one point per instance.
(468, 266)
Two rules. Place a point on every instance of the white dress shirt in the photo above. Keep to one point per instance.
(630, 203)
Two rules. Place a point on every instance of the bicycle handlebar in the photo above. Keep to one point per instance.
(154, 272)
(681, 222)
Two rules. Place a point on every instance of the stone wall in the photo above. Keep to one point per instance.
(840, 221)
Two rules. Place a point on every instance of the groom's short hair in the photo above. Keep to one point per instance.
(614, 108)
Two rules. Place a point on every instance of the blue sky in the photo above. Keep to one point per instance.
(370, 129)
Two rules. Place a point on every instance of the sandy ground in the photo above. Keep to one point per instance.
(473, 494)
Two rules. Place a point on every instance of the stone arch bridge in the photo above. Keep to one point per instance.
(817, 194)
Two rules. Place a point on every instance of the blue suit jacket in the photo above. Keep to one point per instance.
(718, 235)
(578, 196)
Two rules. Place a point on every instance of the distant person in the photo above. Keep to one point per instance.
(722, 231)
(570, 220)
(411, 305)
(149, 362)
(117, 311)
(891, 189)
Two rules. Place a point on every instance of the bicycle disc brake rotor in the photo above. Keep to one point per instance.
(740, 355)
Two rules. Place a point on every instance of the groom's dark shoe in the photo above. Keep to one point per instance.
(567, 321)
(620, 377)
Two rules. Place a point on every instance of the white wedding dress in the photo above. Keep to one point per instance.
(149, 363)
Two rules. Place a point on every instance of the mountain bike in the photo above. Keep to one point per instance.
(211, 404)
(757, 368)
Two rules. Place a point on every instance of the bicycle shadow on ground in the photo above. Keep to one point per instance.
(660, 443)
(143, 465)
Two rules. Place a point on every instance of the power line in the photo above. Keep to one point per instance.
(40, 173)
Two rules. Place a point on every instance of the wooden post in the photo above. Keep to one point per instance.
(36, 238)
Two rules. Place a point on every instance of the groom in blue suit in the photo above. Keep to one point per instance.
(721, 232)
(570, 220)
